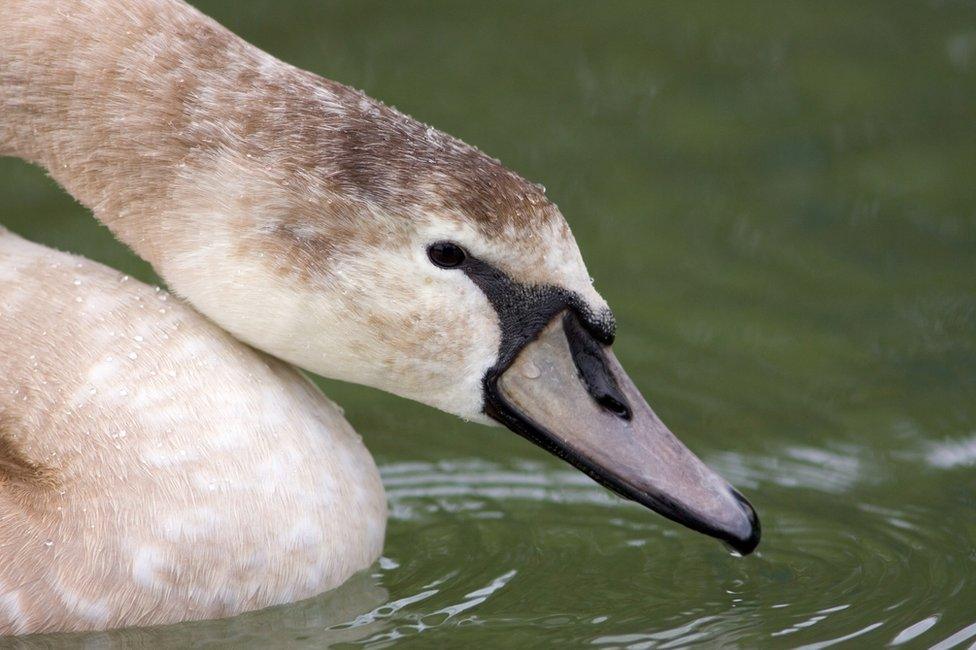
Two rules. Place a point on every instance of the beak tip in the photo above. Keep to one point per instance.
(745, 540)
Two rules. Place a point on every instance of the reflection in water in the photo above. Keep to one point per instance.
(914, 630)
(425, 621)
(954, 453)
(797, 467)
(956, 639)
(311, 620)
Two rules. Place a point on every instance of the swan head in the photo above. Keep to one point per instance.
(336, 233)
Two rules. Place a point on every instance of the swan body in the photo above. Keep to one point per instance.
(155, 469)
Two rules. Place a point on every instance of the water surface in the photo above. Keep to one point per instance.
(779, 201)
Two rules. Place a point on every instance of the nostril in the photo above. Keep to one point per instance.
(615, 406)
(591, 365)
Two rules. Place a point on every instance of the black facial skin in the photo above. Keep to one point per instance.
(524, 311)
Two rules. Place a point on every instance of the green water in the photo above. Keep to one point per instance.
(779, 201)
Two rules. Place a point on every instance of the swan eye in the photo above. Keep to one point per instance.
(445, 254)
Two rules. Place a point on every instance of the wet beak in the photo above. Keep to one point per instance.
(568, 394)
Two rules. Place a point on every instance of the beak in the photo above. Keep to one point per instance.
(567, 393)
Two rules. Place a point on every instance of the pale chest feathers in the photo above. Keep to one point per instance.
(184, 472)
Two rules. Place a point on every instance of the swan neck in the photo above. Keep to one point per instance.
(115, 99)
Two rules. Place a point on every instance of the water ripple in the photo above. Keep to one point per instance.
(948, 454)
(846, 557)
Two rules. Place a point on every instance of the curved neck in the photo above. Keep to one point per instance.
(115, 98)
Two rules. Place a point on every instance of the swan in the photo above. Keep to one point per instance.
(154, 468)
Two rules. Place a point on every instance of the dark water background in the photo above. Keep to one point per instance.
(779, 201)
